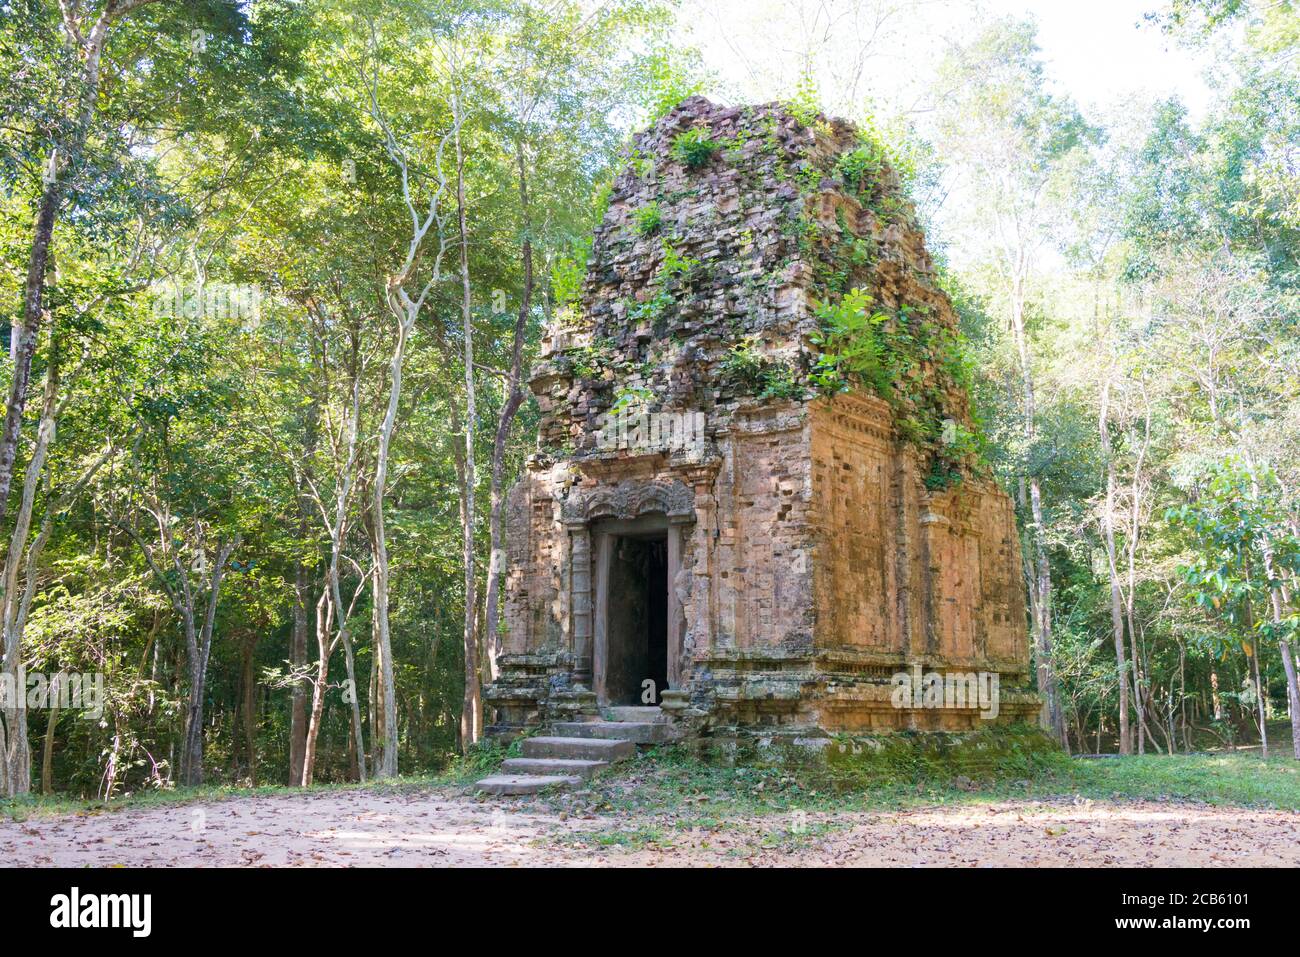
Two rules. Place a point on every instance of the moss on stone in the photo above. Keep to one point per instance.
(859, 762)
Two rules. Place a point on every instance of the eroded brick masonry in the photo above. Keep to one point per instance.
(790, 546)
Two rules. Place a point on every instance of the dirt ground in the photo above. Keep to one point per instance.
(442, 828)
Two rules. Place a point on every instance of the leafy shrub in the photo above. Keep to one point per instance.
(745, 367)
(647, 219)
(631, 398)
(853, 347)
(652, 310)
(780, 381)
(857, 164)
(568, 272)
(694, 148)
(675, 265)
(805, 105)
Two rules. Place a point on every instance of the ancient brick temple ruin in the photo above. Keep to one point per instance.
(718, 519)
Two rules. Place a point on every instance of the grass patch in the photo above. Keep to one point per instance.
(632, 838)
(1218, 779)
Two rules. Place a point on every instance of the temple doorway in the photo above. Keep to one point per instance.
(631, 663)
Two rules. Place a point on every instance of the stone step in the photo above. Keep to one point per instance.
(582, 748)
(525, 783)
(628, 712)
(572, 767)
(640, 732)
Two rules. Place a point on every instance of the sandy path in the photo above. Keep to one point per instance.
(431, 828)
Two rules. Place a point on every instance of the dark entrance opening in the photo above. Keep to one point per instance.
(636, 603)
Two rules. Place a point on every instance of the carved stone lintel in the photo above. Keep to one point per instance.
(630, 499)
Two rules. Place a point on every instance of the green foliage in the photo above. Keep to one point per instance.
(651, 310)
(805, 104)
(853, 348)
(749, 371)
(628, 398)
(568, 272)
(694, 148)
(671, 75)
(1245, 550)
(861, 164)
(675, 266)
(743, 364)
(872, 350)
(647, 219)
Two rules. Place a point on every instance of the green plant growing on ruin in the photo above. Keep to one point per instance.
(805, 105)
(600, 197)
(652, 310)
(887, 356)
(809, 178)
(642, 164)
(630, 398)
(780, 380)
(743, 364)
(568, 318)
(835, 267)
(675, 265)
(853, 347)
(590, 361)
(746, 368)
(860, 165)
(585, 361)
(694, 148)
(733, 147)
(671, 74)
(964, 443)
(861, 171)
(647, 219)
(956, 357)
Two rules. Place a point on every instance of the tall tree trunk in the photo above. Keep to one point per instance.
(301, 605)
(405, 311)
(1040, 582)
(374, 695)
(298, 660)
(514, 398)
(201, 647)
(1182, 694)
(1278, 597)
(1116, 602)
(1135, 518)
(52, 722)
(13, 718)
(250, 709)
(1259, 699)
(324, 648)
(354, 703)
(387, 764)
(1293, 701)
(1254, 663)
(471, 707)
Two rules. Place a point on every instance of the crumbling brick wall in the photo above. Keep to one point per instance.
(825, 532)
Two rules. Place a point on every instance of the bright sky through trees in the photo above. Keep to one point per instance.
(1097, 51)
